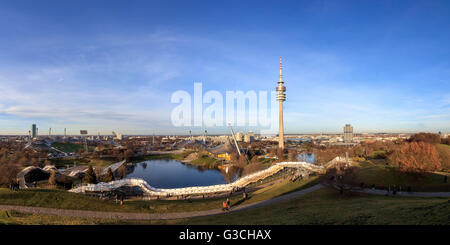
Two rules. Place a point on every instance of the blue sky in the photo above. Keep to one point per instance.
(383, 66)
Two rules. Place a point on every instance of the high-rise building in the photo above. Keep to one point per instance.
(249, 137)
(281, 97)
(239, 136)
(33, 131)
(348, 133)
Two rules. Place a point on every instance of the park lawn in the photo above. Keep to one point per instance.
(321, 207)
(378, 155)
(53, 198)
(281, 188)
(101, 162)
(67, 147)
(206, 161)
(12, 217)
(61, 163)
(327, 206)
(376, 172)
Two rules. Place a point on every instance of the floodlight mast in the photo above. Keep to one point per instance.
(84, 132)
(234, 138)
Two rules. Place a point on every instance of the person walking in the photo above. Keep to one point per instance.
(224, 206)
(228, 203)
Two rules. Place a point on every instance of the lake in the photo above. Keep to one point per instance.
(306, 157)
(174, 174)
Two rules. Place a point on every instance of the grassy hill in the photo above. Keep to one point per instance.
(378, 173)
(324, 206)
(53, 198)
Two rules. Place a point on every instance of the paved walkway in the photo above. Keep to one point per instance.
(154, 216)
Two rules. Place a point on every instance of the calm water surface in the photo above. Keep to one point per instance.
(305, 157)
(174, 174)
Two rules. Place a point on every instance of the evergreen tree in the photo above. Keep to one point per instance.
(109, 176)
(90, 177)
(122, 172)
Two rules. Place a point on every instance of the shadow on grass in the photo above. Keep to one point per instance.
(241, 201)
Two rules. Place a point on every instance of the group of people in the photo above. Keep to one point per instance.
(394, 189)
(108, 196)
(226, 204)
(119, 199)
(14, 186)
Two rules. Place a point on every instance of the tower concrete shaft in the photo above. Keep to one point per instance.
(281, 97)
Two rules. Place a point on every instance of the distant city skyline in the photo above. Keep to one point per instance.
(103, 66)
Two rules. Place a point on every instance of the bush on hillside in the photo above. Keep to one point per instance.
(444, 154)
(425, 137)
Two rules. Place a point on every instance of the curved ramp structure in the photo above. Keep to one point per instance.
(152, 191)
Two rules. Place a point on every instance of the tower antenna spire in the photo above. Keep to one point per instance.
(281, 74)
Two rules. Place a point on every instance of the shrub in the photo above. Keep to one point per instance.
(90, 177)
(445, 141)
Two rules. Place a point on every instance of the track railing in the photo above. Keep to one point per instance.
(153, 191)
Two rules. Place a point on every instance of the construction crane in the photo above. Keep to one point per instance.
(235, 141)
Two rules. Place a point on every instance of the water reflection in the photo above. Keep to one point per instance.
(306, 157)
(174, 174)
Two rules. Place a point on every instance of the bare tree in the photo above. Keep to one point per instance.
(415, 157)
(343, 177)
(292, 155)
(52, 179)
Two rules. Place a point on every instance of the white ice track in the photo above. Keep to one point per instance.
(152, 191)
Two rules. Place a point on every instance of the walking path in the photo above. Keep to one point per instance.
(404, 193)
(154, 216)
(398, 193)
(183, 215)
